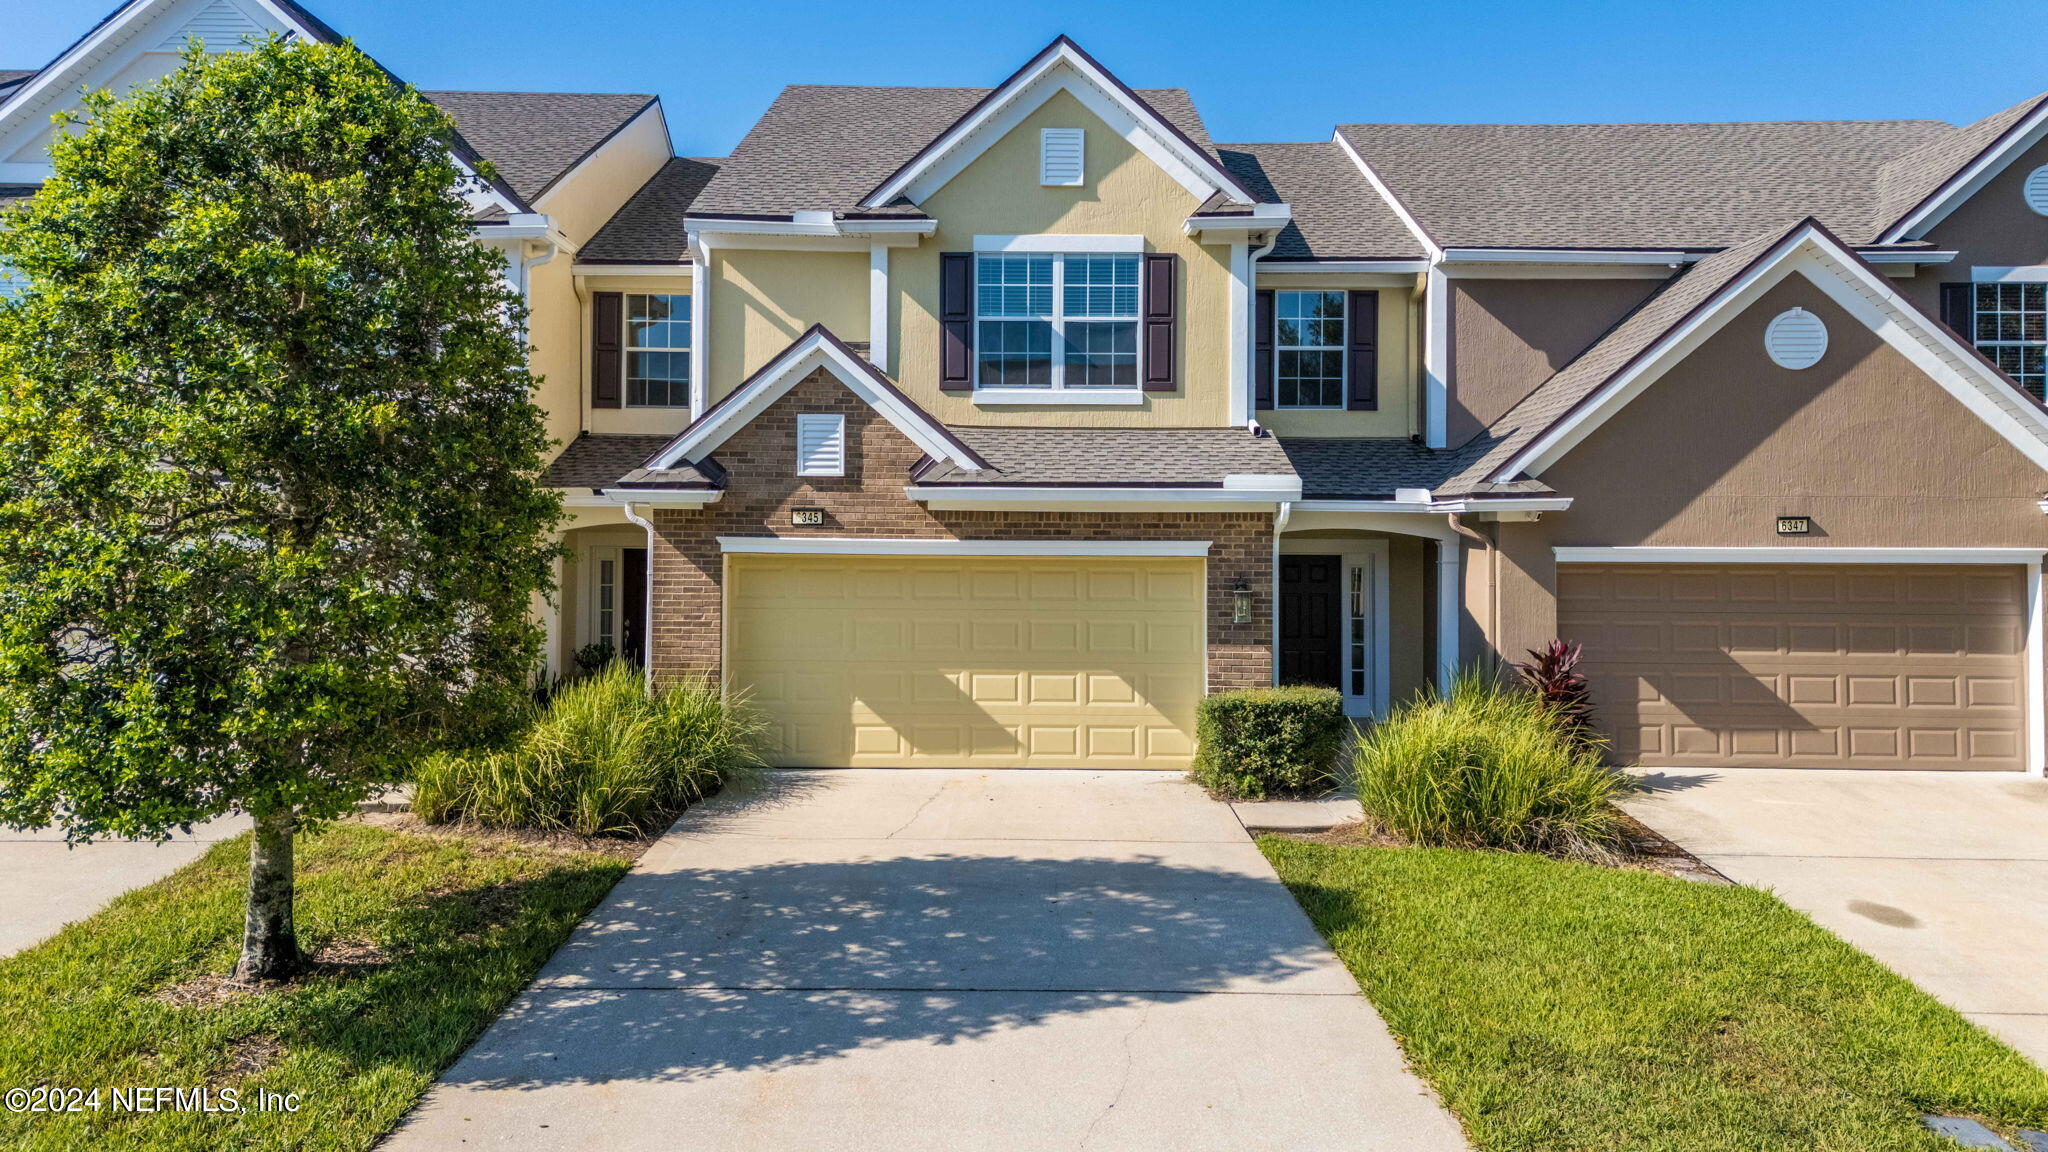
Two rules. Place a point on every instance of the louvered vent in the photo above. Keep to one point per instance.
(820, 444)
(221, 24)
(1059, 156)
(2035, 190)
(1796, 339)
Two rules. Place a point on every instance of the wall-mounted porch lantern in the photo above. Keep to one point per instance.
(1241, 603)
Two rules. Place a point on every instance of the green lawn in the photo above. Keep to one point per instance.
(1561, 1006)
(441, 932)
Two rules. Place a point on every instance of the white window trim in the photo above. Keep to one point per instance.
(869, 546)
(1343, 354)
(833, 425)
(997, 397)
(1057, 244)
(1060, 391)
(626, 350)
(595, 559)
(1817, 554)
(1376, 554)
(2023, 274)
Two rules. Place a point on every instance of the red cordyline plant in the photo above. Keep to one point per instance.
(1552, 672)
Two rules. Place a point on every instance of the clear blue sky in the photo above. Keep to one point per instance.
(1257, 71)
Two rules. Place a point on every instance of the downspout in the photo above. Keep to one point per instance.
(1279, 526)
(1251, 359)
(1492, 552)
(647, 613)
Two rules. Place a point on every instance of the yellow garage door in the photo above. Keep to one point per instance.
(985, 662)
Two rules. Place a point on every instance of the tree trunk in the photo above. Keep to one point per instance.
(270, 943)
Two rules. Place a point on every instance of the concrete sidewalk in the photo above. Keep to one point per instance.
(914, 960)
(1943, 876)
(46, 883)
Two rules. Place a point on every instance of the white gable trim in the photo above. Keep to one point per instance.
(1062, 67)
(813, 350)
(1408, 219)
(1861, 292)
(1958, 189)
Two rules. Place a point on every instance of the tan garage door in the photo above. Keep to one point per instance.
(863, 661)
(1822, 666)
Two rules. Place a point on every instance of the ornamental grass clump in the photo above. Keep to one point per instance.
(1488, 766)
(604, 757)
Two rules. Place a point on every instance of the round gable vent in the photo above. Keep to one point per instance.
(2035, 190)
(1796, 339)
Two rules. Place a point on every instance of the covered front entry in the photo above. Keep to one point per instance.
(1805, 665)
(974, 661)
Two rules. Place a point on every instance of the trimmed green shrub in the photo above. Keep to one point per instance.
(603, 757)
(1260, 742)
(1487, 767)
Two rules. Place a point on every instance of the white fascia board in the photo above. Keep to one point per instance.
(1415, 228)
(1972, 179)
(716, 226)
(664, 497)
(977, 495)
(1055, 242)
(678, 269)
(873, 546)
(1403, 267)
(774, 381)
(1565, 256)
(1442, 507)
(2025, 274)
(1262, 218)
(1914, 256)
(1866, 297)
(1060, 69)
(1817, 554)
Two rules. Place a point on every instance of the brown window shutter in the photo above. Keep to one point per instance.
(1362, 362)
(607, 329)
(1262, 341)
(1160, 313)
(1959, 310)
(956, 321)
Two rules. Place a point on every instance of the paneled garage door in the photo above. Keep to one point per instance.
(1069, 662)
(1804, 665)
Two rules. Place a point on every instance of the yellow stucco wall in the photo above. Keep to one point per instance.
(761, 299)
(1124, 194)
(1397, 367)
(589, 195)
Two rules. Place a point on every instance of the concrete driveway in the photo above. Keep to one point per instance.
(913, 960)
(1941, 875)
(46, 883)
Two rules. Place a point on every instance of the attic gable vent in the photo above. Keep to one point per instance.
(820, 444)
(220, 24)
(1796, 339)
(2035, 190)
(1059, 156)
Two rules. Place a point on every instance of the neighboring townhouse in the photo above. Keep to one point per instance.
(996, 426)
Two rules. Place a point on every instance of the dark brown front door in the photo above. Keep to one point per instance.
(1310, 635)
(633, 605)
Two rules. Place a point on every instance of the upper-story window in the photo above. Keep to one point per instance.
(1308, 347)
(1047, 320)
(657, 351)
(2011, 321)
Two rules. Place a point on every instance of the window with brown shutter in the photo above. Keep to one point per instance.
(1262, 341)
(956, 321)
(607, 325)
(1160, 310)
(1362, 360)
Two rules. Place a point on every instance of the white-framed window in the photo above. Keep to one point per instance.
(1308, 349)
(657, 348)
(604, 600)
(2011, 320)
(820, 444)
(1056, 320)
(12, 285)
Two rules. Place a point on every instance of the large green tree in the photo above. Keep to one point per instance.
(270, 524)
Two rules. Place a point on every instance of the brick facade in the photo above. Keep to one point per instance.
(762, 487)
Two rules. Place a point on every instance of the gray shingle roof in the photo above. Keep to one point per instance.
(16, 193)
(1634, 185)
(1113, 456)
(648, 228)
(535, 137)
(1904, 182)
(1557, 396)
(1337, 215)
(827, 146)
(592, 461)
(1365, 469)
(9, 77)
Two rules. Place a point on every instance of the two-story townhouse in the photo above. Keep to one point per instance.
(994, 427)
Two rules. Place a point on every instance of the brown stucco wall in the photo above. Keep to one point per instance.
(1507, 336)
(1875, 452)
(1994, 227)
(762, 487)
